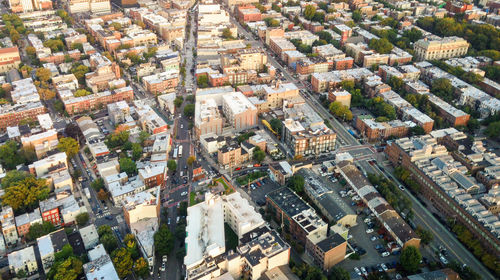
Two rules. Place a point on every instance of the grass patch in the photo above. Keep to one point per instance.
(192, 199)
(231, 238)
(227, 189)
(243, 180)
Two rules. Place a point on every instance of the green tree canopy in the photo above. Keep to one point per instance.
(141, 267)
(309, 12)
(258, 155)
(122, 261)
(39, 229)
(172, 165)
(296, 183)
(381, 45)
(82, 219)
(24, 195)
(442, 88)
(340, 111)
(81, 92)
(189, 110)
(128, 166)
(410, 259)
(164, 241)
(68, 145)
(493, 130)
(14, 176)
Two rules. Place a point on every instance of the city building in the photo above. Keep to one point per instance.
(447, 185)
(239, 111)
(329, 251)
(23, 260)
(9, 58)
(447, 47)
(9, 230)
(100, 265)
(89, 236)
(12, 115)
(341, 96)
(305, 132)
(207, 118)
(92, 6)
(26, 220)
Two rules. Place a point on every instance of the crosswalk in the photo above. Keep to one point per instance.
(104, 214)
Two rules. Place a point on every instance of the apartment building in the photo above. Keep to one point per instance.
(322, 82)
(77, 105)
(207, 118)
(93, 6)
(446, 184)
(9, 230)
(149, 120)
(305, 133)
(9, 59)
(447, 47)
(374, 130)
(23, 260)
(161, 82)
(100, 265)
(239, 111)
(341, 96)
(248, 13)
(54, 163)
(26, 220)
(244, 59)
(153, 176)
(42, 142)
(230, 155)
(329, 251)
(280, 45)
(270, 97)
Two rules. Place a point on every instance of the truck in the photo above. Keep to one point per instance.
(87, 192)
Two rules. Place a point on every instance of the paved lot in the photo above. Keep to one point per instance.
(259, 193)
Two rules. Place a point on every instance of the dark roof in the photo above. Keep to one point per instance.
(331, 242)
(59, 239)
(288, 201)
(443, 274)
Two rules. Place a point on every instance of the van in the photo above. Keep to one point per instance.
(182, 173)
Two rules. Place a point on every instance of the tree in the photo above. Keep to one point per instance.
(189, 110)
(442, 88)
(381, 45)
(77, 46)
(79, 70)
(97, 184)
(24, 195)
(141, 267)
(472, 125)
(82, 219)
(425, 236)
(296, 183)
(68, 145)
(417, 130)
(276, 125)
(258, 155)
(81, 92)
(410, 259)
(227, 34)
(102, 194)
(413, 34)
(123, 262)
(202, 81)
(69, 269)
(46, 94)
(163, 241)
(116, 26)
(43, 74)
(396, 83)
(338, 273)
(56, 45)
(31, 51)
(340, 111)
(356, 16)
(191, 160)
(493, 130)
(109, 242)
(14, 176)
(37, 230)
(178, 101)
(309, 12)
(103, 230)
(128, 166)
(9, 157)
(172, 165)
(131, 245)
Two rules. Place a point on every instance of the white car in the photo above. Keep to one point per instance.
(385, 254)
(183, 193)
(163, 267)
(373, 238)
(384, 267)
(164, 259)
(363, 269)
(370, 230)
(357, 271)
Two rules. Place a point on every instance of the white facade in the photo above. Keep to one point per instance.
(23, 259)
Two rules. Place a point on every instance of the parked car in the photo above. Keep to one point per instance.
(363, 270)
(370, 230)
(357, 271)
(384, 267)
(373, 238)
(184, 193)
(385, 254)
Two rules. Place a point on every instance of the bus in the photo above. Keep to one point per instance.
(175, 153)
(179, 155)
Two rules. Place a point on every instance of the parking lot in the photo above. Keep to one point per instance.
(258, 194)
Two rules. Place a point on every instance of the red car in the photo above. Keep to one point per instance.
(238, 168)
